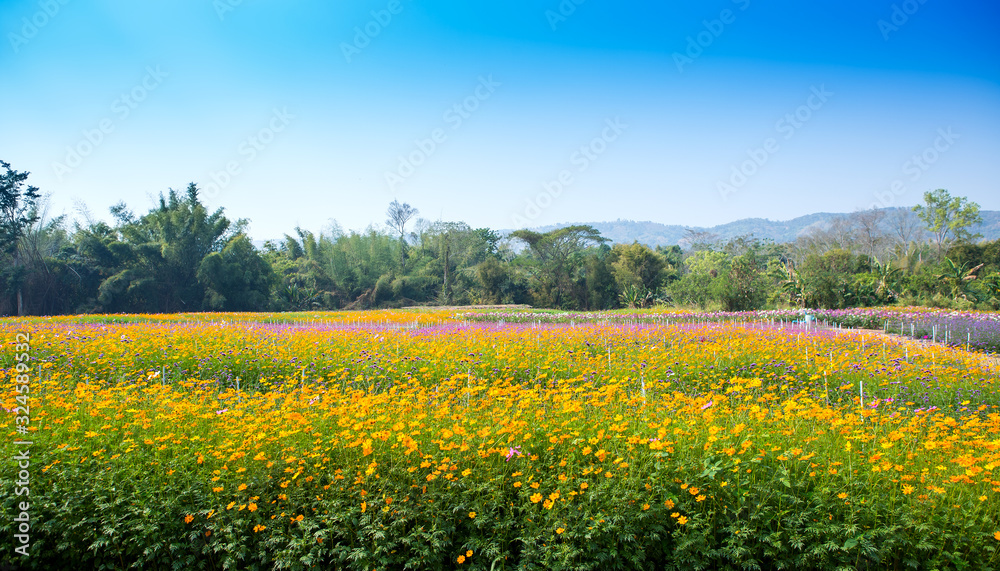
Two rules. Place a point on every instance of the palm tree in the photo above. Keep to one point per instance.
(958, 279)
(886, 280)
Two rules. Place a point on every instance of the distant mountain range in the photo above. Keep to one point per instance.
(656, 234)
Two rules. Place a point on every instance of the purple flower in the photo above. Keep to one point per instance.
(512, 451)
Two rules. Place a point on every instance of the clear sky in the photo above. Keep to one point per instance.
(502, 114)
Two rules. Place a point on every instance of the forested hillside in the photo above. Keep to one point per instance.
(655, 234)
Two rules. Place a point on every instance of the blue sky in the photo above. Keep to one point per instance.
(502, 114)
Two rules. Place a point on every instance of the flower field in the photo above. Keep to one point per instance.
(971, 329)
(430, 440)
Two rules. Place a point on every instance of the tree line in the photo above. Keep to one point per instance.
(181, 257)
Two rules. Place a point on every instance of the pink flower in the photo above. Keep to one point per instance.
(512, 451)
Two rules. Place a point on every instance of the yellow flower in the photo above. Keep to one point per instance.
(669, 504)
(242, 487)
(584, 486)
(364, 506)
(907, 490)
(675, 514)
(693, 491)
(700, 498)
(258, 528)
(536, 497)
(645, 507)
(559, 531)
(996, 536)
(252, 507)
(472, 515)
(842, 495)
(468, 553)
(682, 520)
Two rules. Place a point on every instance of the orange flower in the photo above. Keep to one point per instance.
(188, 519)
(682, 520)
(461, 559)
(536, 497)
(559, 531)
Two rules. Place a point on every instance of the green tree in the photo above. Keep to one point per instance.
(827, 278)
(958, 278)
(236, 278)
(558, 277)
(638, 266)
(702, 281)
(159, 254)
(746, 283)
(948, 217)
(18, 212)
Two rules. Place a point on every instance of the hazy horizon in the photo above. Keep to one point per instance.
(502, 116)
